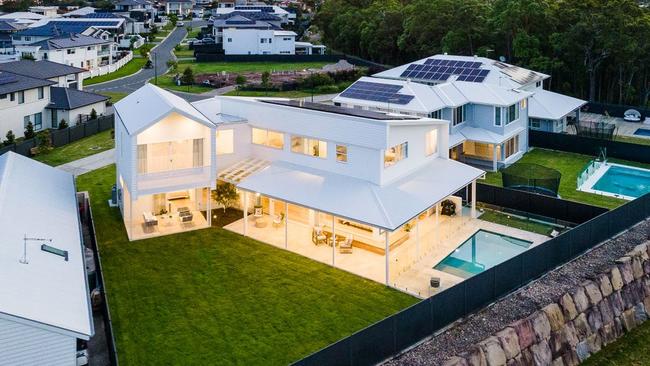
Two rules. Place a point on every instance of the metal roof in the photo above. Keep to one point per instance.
(70, 98)
(15, 82)
(74, 40)
(43, 69)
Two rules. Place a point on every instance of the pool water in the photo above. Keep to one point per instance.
(626, 181)
(481, 251)
(642, 132)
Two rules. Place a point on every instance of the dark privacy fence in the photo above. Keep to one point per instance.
(589, 146)
(64, 136)
(398, 332)
(203, 56)
(90, 240)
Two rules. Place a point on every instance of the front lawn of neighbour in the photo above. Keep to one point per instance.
(167, 82)
(214, 297)
(114, 97)
(630, 350)
(244, 67)
(131, 67)
(184, 52)
(570, 165)
(79, 149)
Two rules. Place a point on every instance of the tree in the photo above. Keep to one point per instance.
(144, 50)
(265, 81)
(44, 141)
(225, 195)
(27, 56)
(63, 124)
(240, 80)
(173, 19)
(93, 114)
(188, 77)
(29, 130)
(11, 138)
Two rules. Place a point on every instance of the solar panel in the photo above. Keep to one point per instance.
(442, 70)
(377, 92)
(6, 78)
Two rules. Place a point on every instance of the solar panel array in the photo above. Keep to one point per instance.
(442, 70)
(377, 92)
(6, 78)
(262, 8)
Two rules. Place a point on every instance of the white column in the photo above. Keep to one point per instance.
(474, 199)
(494, 157)
(245, 213)
(387, 255)
(271, 207)
(437, 224)
(333, 242)
(286, 225)
(209, 208)
(417, 238)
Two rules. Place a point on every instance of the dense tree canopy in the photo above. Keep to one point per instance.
(594, 49)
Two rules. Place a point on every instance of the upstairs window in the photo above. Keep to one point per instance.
(460, 115)
(341, 153)
(21, 97)
(432, 142)
(436, 114)
(268, 138)
(41, 93)
(497, 116)
(396, 153)
(512, 113)
(307, 146)
(225, 142)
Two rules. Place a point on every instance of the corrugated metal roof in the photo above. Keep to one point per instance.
(70, 98)
(43, 69)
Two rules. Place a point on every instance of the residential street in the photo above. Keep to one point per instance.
(163, 52)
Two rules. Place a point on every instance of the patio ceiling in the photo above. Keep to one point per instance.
(241, 170)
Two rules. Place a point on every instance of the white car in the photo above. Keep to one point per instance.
(180, 24)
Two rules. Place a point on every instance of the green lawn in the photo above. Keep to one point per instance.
(167, 82)
(633, 140)
(281, 94)
(184, 52)
(630, 350)
(131, 67)
(570, 165)
(79, 149)
(214, 297)
(516, 222)
(114, 96)
(242, 67)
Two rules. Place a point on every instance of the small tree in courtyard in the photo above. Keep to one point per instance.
(29, 131)
(240, 80)
(225, 195)
(63, 124)
(11, 138)
(93, 114)
(265, 81)
(188, 77)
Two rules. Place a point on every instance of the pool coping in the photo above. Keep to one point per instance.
(588, 185)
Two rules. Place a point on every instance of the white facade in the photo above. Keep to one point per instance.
(22, 344)
(15, 114)
(243, 41)
(180, 8)
(86, 57)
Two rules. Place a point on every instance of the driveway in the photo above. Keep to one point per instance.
(89, 163)
(163, 52)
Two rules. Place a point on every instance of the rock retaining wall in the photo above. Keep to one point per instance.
(576, 325)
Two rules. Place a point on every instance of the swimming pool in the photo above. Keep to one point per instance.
(621, 180)
(642, 132)
(481, 251)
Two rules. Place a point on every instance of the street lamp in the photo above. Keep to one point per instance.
(155, 67)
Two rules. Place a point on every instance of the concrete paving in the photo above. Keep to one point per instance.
(89, 163)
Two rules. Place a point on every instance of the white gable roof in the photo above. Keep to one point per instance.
(150, 104)
(388, 207)
(40, 201)
(548, 105)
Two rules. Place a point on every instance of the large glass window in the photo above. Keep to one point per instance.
(225, 142)
(268, 138)
(511, 146)
(478, 150)
(513, 113)
(341, 153)
(307, 146)
(173, 155)
(460, 115)
(497, 116)
(432, 142)
(436, 114)
(38, 121)
(396, 153)
(534, 123)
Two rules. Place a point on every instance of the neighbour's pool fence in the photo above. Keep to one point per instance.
(64, 136)
(588, 171)
(393, 335)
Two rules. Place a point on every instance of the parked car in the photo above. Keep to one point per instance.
(180, 24)
(208, 40)
(191, 40)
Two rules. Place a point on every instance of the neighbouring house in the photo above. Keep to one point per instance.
(285, 16)
(22, 17)
(257, 33)
(45, 307)
(490, 104)
(182, 8)
(46, 11)
(63, 75)
(328, 182)
(129, 5)
(74, 106)
(52, 92)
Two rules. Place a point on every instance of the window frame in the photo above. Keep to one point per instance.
(401, 153)
(498, 116)
(41, 92)
(310, 143)
(341, 154)
(21, 97)
(462, 115)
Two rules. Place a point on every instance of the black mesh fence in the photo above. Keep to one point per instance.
(64, 136)
(533, 178)
(598, 130)
(402, 330)
(589, 146)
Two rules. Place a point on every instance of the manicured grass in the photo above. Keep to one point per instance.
(630, 350)
(281, 94)
(570, 165)
(114, 96)
(633, 140)
(79, 149)
(131, 67)
(167, 82)
(184, 52)
(515, 222)
(242, 67)
(214, 297)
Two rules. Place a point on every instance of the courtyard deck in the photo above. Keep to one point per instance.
(410, 263)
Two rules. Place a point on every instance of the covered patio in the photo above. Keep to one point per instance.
(392, 234)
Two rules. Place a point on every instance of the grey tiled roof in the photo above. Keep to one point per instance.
(39, 69)
(10, 82)
(76, 40)
(69, 98)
